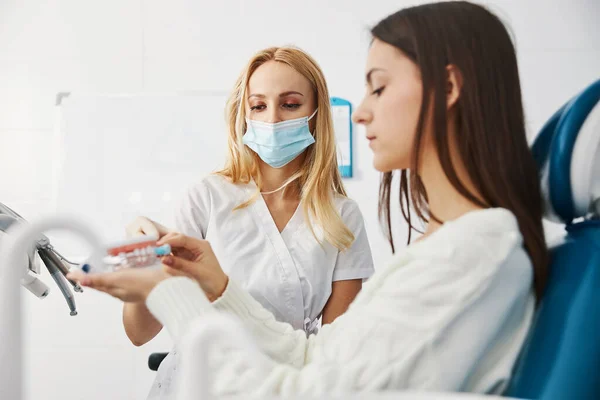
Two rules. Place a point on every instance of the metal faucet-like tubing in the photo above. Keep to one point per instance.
(12, 249)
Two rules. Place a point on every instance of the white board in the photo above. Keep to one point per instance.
(120, 156)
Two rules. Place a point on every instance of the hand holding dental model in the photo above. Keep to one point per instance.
(189, 256)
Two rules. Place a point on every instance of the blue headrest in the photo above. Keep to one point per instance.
(567, 151)
(561, 357)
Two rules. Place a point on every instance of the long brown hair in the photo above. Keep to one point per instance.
(491, 136)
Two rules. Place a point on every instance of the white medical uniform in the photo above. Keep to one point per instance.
(289, 273)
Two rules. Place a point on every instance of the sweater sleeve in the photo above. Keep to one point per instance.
(388, 339)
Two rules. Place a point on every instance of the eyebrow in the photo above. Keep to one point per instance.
(371, 72)
(284, 94)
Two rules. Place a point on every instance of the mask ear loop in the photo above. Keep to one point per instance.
(278, 189)
(290, 180)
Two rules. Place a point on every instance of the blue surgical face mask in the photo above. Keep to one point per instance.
(279, 143)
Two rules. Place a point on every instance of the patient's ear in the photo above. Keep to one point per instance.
(454, 82)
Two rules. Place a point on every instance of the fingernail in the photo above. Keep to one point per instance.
(168, 260)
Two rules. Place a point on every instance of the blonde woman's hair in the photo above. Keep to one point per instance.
(318, 178)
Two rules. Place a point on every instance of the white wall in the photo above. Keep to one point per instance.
(153, 45)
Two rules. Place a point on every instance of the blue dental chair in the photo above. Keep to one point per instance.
(561, 359)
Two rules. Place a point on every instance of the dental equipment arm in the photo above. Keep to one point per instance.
(52, 263)
(9, 219)
(30, 269)
(12, 249)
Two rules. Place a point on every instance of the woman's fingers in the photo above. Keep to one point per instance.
(182, 265)
(77, 275)
(94, 281)
(129, 284)
(81, 277)
(173, 271)
(142, 226)
(183, 253)
(203, 266)
(162, 230)
(181, 241)
(177, 247)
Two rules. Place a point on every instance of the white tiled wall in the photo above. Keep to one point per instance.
(153, 45)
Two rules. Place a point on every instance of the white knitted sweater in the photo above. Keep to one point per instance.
(450, 313)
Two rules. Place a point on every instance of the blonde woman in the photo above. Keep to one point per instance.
(277, 215)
